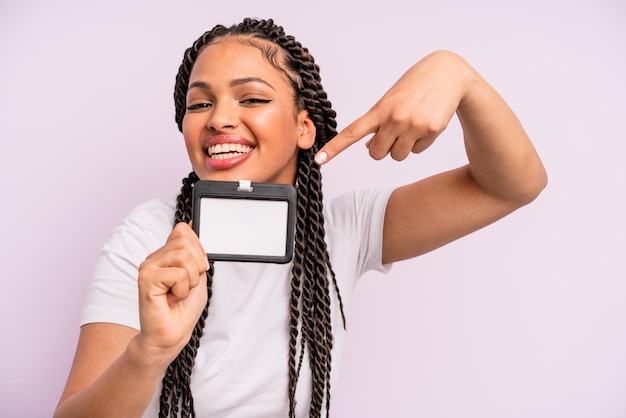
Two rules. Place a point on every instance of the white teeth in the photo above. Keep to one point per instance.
(224, 151)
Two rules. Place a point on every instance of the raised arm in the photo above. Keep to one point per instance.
(117, 369)
(504, 170)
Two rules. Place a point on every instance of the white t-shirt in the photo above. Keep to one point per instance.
(241, 368)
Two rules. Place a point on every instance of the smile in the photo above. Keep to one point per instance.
(226, 151)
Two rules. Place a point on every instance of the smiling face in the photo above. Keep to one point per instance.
(241, 121)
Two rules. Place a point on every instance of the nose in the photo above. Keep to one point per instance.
(223, 116)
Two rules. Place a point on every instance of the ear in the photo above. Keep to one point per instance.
(306, 130)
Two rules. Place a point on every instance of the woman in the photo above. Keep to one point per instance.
(263, 340)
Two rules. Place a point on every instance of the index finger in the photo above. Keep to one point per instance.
(357, 130)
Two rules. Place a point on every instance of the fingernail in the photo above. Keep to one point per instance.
(321, 157)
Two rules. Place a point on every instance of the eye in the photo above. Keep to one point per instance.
(199, 106)
(255, 101)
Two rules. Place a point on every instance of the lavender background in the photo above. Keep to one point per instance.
(525, 318)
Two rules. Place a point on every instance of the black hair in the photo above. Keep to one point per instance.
(312, 273)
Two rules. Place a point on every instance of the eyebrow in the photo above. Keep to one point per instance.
(234, 83)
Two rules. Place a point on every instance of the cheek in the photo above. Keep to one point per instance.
(192, 126)
(281, 133)
(194, 122)
(275, 120)
(190, 131)
(187, 125)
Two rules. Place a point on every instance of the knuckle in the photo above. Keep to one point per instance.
(188, 243)
(423, 125)
(400, 116)
(181, 275)
(180, 229)
(377, 154)
(433, 127)
(185, 257)
(418, 147)
(398, 154)
(146, 274)
(349, 132)
(147, 266)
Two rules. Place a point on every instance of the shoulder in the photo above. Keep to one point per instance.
(354, 231)
(155, 211)
(358, 214)
(356, 205)
(149, 223)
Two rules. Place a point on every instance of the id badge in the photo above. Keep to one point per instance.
(245, 221)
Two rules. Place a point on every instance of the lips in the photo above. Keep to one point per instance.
(227, 151)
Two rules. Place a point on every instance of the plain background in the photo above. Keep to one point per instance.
(525, 318)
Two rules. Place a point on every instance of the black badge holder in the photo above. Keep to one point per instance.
(245, 221)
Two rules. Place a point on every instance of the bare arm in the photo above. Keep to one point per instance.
(504, 170)
(117, 369)
(109, 376)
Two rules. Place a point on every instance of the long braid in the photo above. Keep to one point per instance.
(296, 299)
(309, 302)
(317, 329)
(176, 393)
(315, 324)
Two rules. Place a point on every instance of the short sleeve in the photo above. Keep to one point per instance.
(112, 296)
(355, 223)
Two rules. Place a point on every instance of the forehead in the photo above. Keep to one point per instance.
(231, 57)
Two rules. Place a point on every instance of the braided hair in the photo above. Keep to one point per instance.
(312, 273)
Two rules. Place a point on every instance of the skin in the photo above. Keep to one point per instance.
(117, 369)
(504, 170)
(247, 104)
